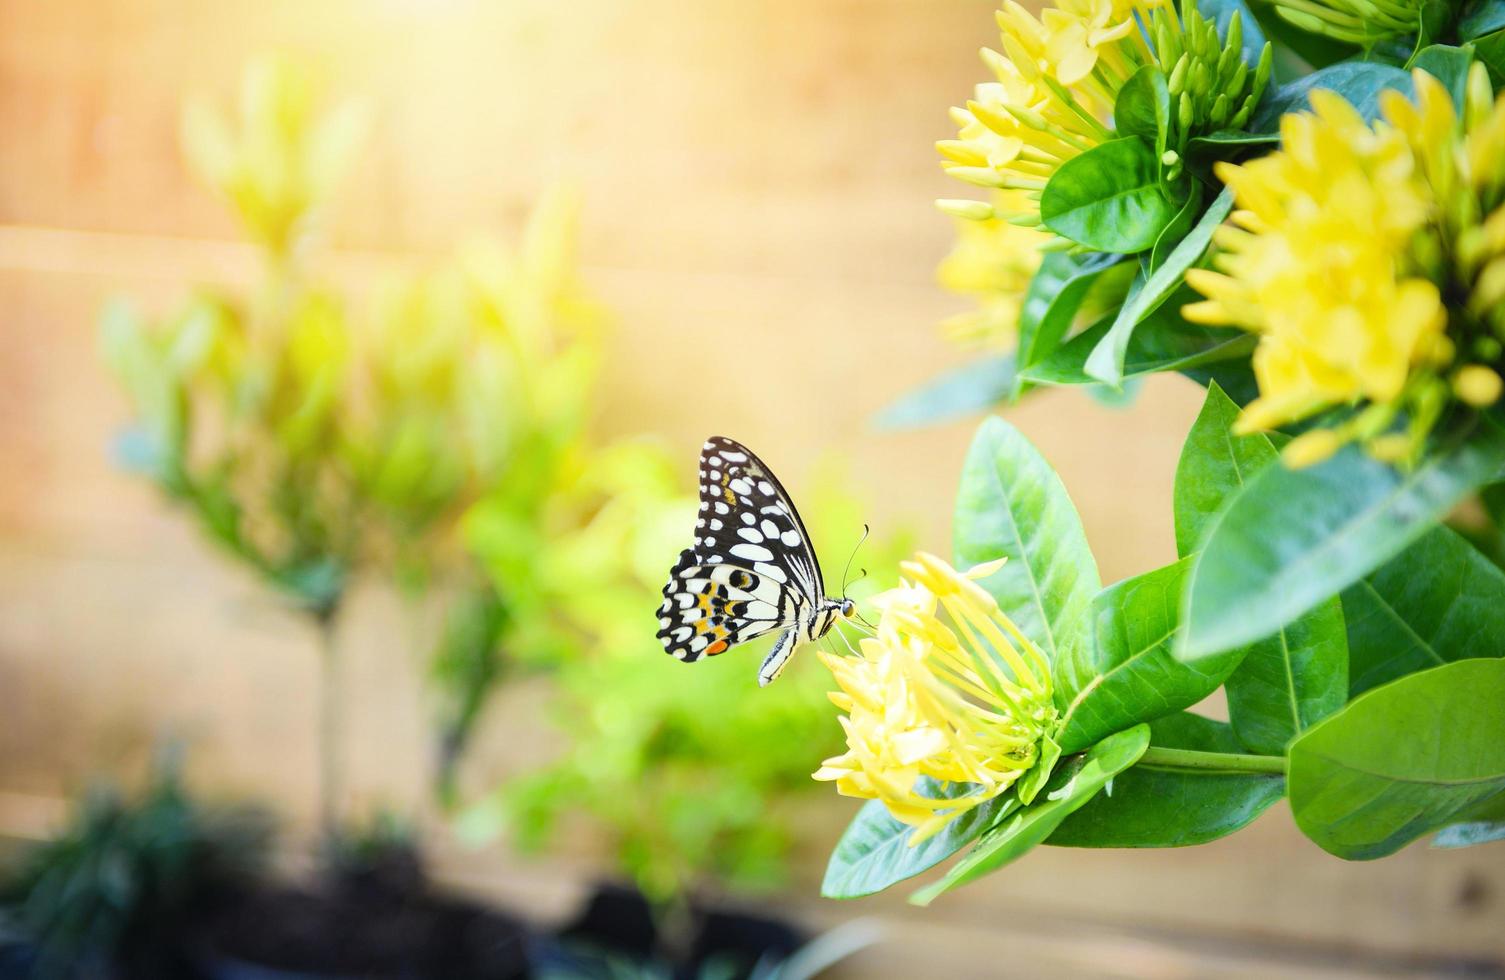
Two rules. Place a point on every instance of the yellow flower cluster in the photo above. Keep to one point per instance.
(1053, 94)
(961, 698)
(992, 262)
(1345, 243)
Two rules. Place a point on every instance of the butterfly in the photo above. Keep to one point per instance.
(752, 570)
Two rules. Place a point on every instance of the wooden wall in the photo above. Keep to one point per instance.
(757, 179)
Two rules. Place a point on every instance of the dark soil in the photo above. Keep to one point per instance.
(376, 933)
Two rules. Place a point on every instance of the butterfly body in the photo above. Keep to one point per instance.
(752, 571)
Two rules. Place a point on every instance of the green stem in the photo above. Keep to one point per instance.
(330, 788)
(1163, 758)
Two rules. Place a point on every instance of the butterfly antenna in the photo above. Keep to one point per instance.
(865, 531)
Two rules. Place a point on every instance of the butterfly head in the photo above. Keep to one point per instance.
(847, 609)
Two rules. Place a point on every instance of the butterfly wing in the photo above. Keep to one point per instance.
(709, 608)
(747, 518)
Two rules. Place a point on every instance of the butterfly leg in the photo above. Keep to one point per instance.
(783, 649)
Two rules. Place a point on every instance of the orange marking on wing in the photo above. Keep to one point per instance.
(718, 647)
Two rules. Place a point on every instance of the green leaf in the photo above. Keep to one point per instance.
(1479, 824)
(1106, 363)
(1299, 676)
(1401, 760)
(1173, 233)
(1134, 677)
(1217, 144)
(875, 853)
(1054, 296)
(1075, 782)
(1143, 107)
(968, 390)
(1215, 465)
(1012, 504)
(1222, 12)
(1164, 341)
(1150, 805)
(1359, 82)
(1290, 681)
(1490, 49)
(1484, 18)
(1438, 601)
(1449, 65)
(1108, 198)
(1293, 538)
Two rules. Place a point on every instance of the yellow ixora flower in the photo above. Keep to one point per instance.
(1051, 97)
(1346, 241)
(949, 689)
(991, 262)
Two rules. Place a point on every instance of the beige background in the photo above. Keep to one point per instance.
(757, 178)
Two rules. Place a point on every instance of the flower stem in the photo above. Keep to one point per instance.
(1163, 758)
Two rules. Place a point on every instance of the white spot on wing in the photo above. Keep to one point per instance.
(752, 552)
(750, 535)
(772, 571)
(791, 539)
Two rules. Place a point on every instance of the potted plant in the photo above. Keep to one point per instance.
(1296, 207)
(319, 443)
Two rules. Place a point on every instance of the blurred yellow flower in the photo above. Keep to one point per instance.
(992, 262)
(1345, 243)
(1052, 95)
(960, 698)
(281, 159)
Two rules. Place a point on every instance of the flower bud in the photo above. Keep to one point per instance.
(1477, 385)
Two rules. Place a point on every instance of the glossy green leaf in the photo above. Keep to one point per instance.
(1143, 107)
(1402, 760)
(1490, 50)
(1185, 220)
(874, 853)
(1149, 805)
(1106, 363)
(1292, 538)
(1288, 682)
(1133, 675)
(1012, 504)
(1438, 601)
(1214, 466)
(1053, 299)
(1108, 198)
(1164, 341)
(1447, 64)
(1479, 824)
(1218, 143)
(1482, 19)
(967, 390)
(1075, 782)
(1359, 82)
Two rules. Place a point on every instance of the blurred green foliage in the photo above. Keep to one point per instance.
(120, 883)
(317, 435)
(691, 770)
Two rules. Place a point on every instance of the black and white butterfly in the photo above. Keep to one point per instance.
(752, 570)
